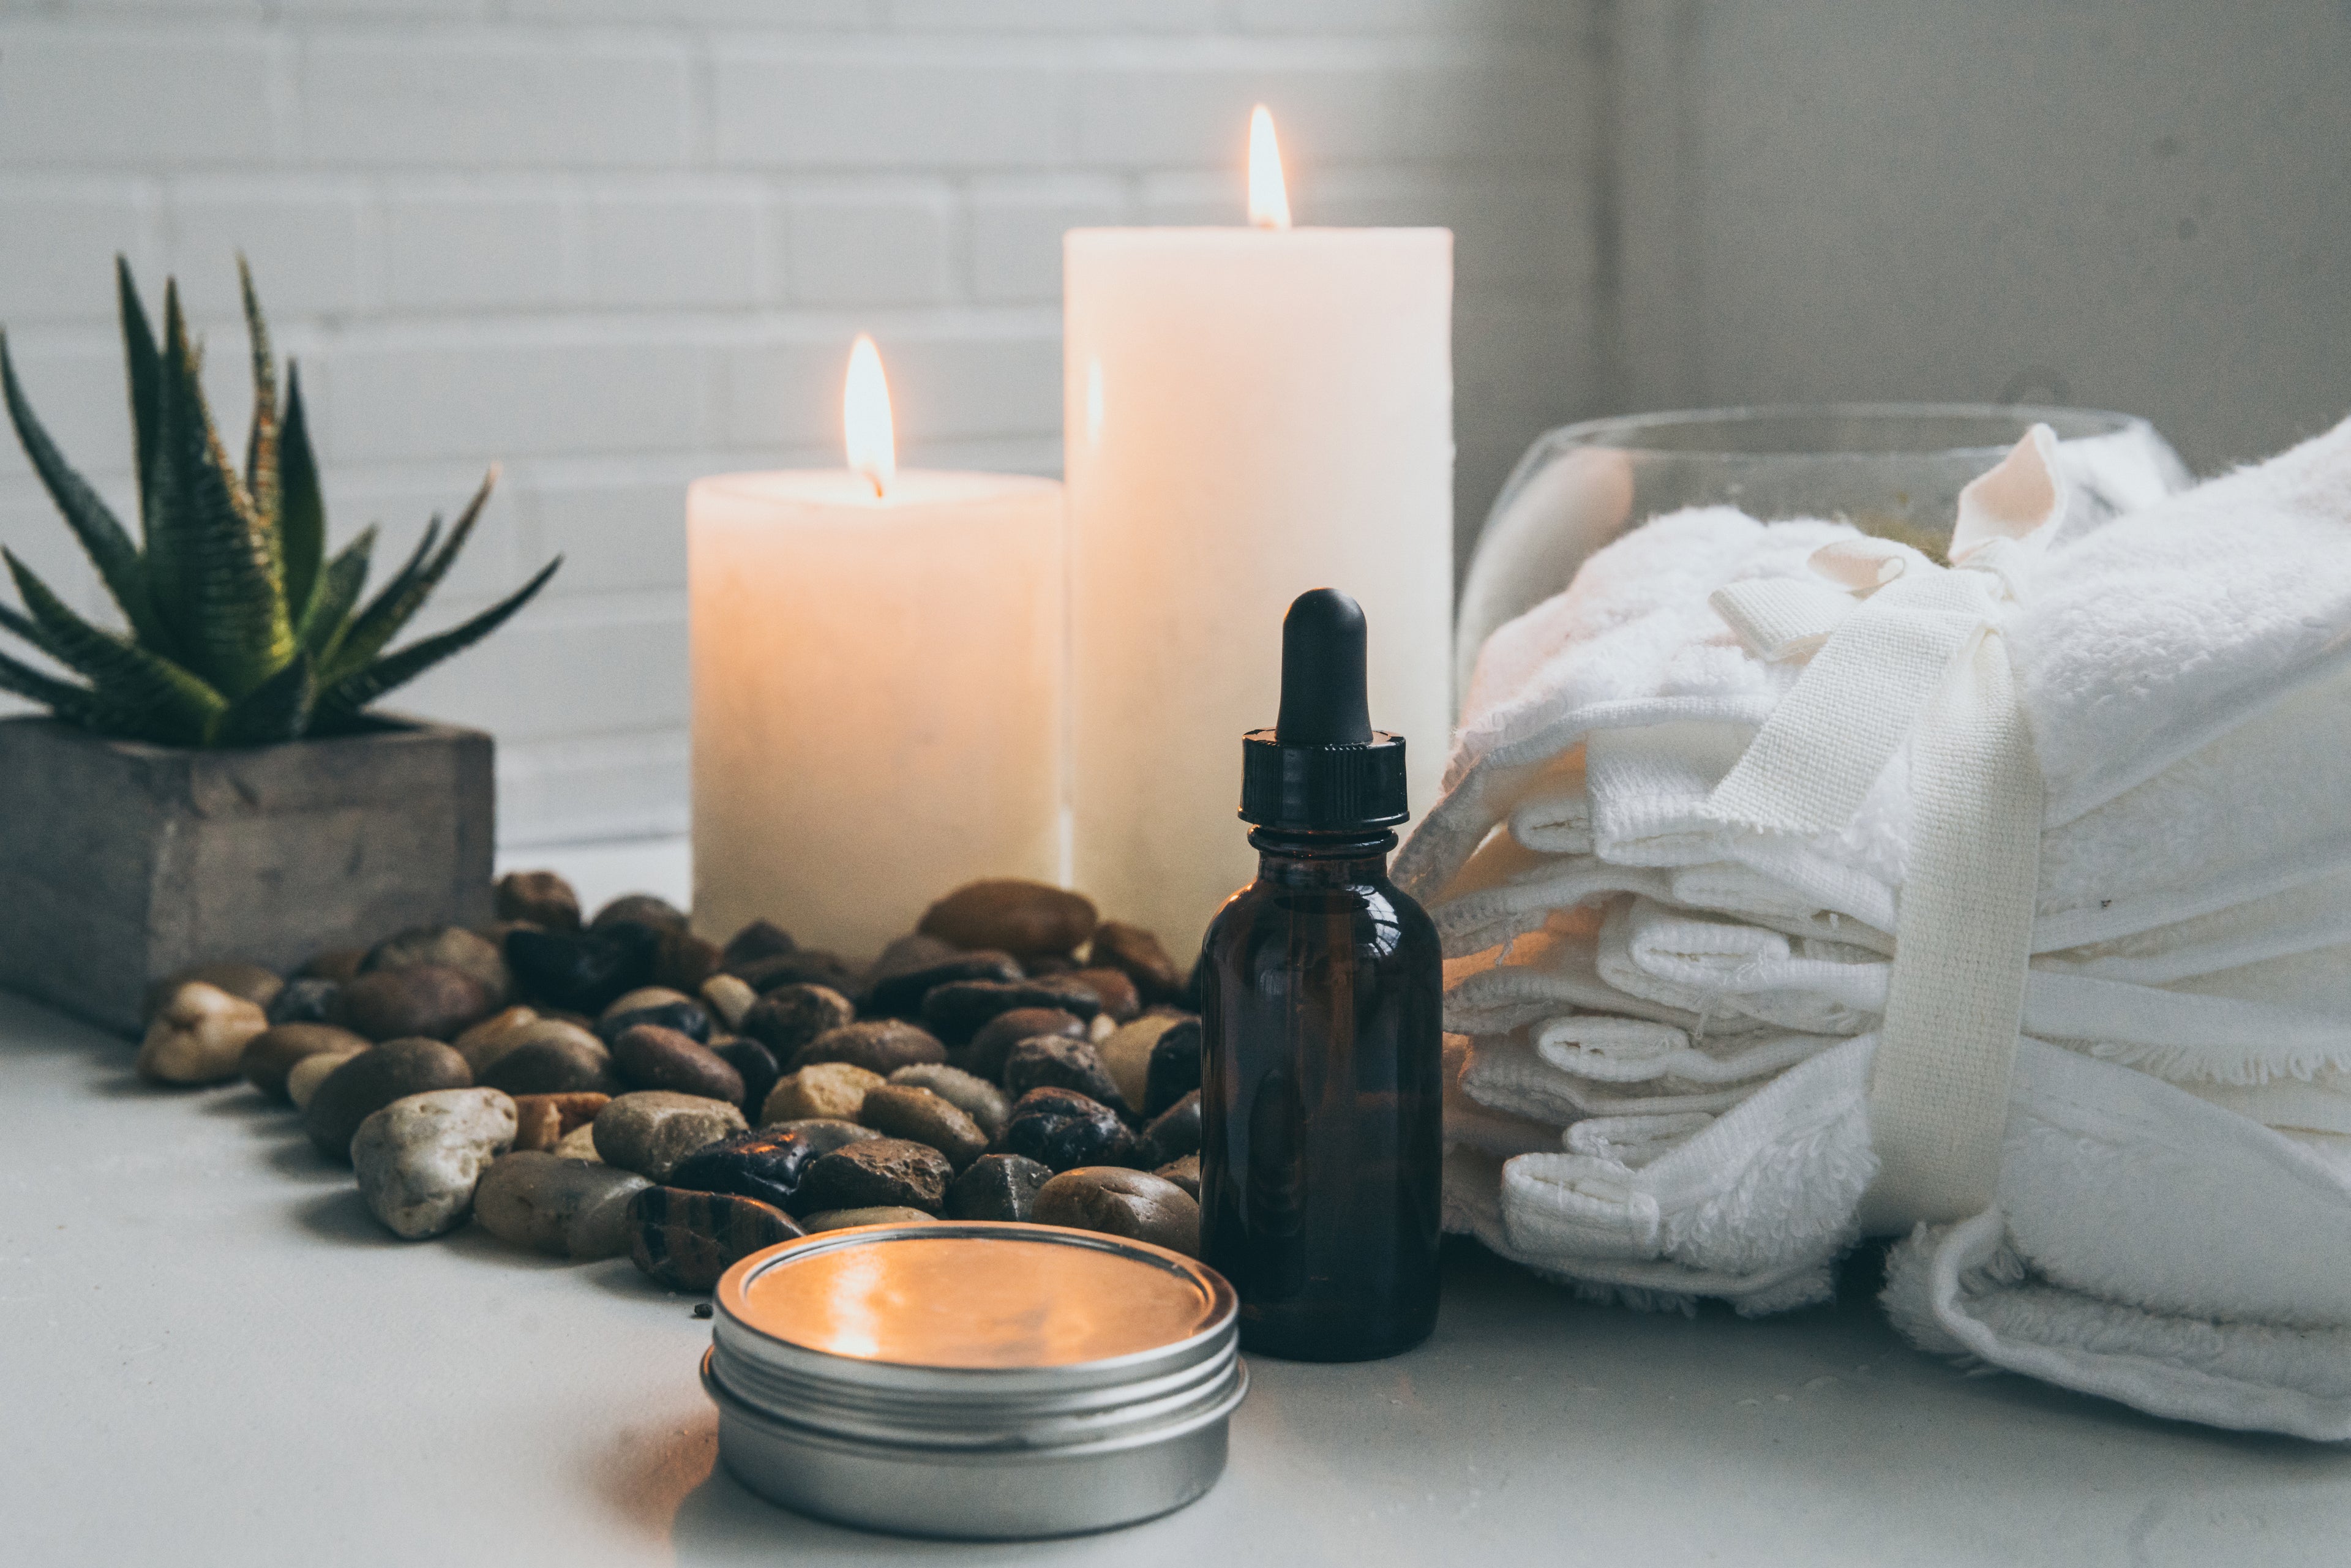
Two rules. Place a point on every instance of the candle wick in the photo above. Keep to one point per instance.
(875, 480)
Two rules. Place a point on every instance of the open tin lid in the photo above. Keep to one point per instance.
(977, 1334)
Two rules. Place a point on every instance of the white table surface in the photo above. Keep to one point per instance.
(211, 1354)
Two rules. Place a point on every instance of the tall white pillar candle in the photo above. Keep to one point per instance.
(1251, 413)
(877, 694)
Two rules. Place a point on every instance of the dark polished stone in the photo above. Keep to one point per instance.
(686, 1240)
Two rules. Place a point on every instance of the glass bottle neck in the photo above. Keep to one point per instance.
(1321, 860)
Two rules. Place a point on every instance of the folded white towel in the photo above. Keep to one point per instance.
(1688, 1008)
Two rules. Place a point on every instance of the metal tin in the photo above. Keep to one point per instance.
(973, 1381)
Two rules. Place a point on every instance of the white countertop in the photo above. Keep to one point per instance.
(211, 1354)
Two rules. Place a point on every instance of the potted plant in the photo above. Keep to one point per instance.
(210, 784)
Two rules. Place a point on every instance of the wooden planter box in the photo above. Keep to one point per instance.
(121, 862)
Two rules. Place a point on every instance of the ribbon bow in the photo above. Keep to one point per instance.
(1897, 645)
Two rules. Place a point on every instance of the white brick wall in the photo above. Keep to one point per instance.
(615, 243)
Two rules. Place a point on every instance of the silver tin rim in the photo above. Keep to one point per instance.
(1140, 1396)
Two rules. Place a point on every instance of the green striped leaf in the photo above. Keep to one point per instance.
(301, 511)
(76, 704)
(344, 700)
(93, 522)
(209, 561)
(276, 710)
(405, 594)
(177, 705)
(339, 589)
(144, 364)
(261, 439)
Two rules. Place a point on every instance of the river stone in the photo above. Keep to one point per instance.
(580, 1143)
(270, 1055)
(766, 1164)
(977, 1098)
(755, 1064)
(488, 1040)
(1051, 1061)
(1064, 1129)
(788, 1017)
(1136, 954)
(649, 1132)
(903, 956)
(759, 939)
(448, 948)
(900, 994)
(648, 1056)
(425, 1001)
(685, 960)
(419, 1158)
(642, 909)
(542, 1121)
(844, 1218)
(984, 1056)
(1126, 1055)
(655, 1005)
(1174, 1069)
(198, 1035)
(304, 1001)
(1185, 1173)
(302, 1080)
(958, 1010)
(878, 1045)
(581, 971)
(826, 1133)
(686, 1240)
(1022, 918)
(571, 1208)
(374, 1079)
(249, 982)
(877, 1172)
(559, 1059)
(1176, 1132)
(341, 964)
(908, 1110)
(1133, 1204)
(830, 1090)
(541, 897)
(997, 1186)
(728, 997)
(1119, 1000)
(802, 967)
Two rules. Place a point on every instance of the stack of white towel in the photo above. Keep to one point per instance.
(1666, 1012)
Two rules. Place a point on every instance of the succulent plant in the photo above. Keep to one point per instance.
(240, 630)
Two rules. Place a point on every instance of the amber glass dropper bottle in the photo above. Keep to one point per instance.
(1321, 995)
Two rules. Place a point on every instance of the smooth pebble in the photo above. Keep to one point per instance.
(1133, 1204)
(567, 1208)
(198, 1035)
(911, 1111)
(832, 1090)
(419, 1158)
(686, 1240)
(997, 1186)
(651, 1131)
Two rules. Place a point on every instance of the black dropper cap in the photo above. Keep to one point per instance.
(1322, 768)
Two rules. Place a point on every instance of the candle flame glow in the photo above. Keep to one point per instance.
(865, 416)
(1269, 197)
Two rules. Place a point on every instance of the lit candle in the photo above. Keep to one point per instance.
(877, 662)
(1251, 413)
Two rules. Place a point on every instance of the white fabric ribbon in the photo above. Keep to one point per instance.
(1900, 646)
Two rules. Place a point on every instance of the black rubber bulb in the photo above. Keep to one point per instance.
(1322, 699)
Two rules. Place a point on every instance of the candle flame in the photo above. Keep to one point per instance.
(865, 416)
(1269, 197)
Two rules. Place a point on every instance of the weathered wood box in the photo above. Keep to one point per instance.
(122, 862)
